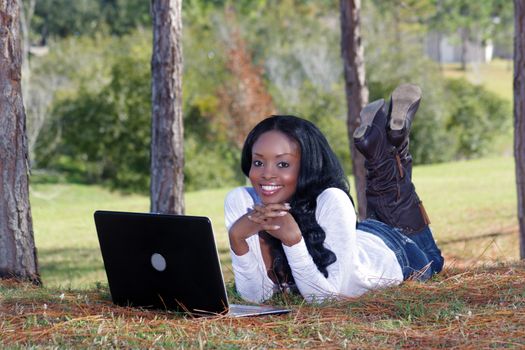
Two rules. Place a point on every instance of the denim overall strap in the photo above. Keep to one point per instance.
(253, 194)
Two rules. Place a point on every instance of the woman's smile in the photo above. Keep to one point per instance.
(269, 190)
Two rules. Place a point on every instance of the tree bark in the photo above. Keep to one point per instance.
(519, 114)
(464, 48)
(167, 152)
(18, 257)
(356, 89)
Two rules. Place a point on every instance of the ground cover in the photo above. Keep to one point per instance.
(477, 302)
(466, 308)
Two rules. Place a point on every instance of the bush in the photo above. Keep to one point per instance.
(101, 132)
(476, 116)
(105, 135)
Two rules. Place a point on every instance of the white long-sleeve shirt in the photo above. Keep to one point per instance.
(364, 262)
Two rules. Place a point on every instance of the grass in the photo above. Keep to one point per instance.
(471, 199)
(480, 307)
(478, 301)
(464, 200)
(65, 233)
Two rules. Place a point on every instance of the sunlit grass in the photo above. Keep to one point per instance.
(472, 198)
(65, 233)
(463, 199)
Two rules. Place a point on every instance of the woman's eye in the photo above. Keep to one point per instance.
(257, 163)
(283, 165)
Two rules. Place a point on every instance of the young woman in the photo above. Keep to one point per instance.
(295, 228)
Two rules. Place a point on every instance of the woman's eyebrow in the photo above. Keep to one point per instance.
(277, 156)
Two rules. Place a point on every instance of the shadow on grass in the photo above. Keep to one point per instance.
(82, 267)
(71, 266)
(46, 177)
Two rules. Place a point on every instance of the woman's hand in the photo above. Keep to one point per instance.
(277, 221)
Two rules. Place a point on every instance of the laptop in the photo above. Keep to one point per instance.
(166, 262)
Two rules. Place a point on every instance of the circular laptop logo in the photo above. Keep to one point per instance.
(158, 262)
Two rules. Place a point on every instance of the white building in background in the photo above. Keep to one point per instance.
(443, 49)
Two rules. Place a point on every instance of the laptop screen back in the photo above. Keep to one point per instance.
(161, 261)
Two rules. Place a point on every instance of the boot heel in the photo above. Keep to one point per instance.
(367, 117)
(360, 131)
(405, 101)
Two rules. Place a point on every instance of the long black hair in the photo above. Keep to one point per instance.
(319, 170)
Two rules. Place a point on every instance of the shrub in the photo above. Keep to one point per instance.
(475, 117)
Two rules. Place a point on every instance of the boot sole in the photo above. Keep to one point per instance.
(367, 117)
(403, 98)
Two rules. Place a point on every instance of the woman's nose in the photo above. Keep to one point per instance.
(268, 173)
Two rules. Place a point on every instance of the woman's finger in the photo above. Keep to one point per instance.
(269, 228)
(272, 209)
(256, 218)
(275, 214)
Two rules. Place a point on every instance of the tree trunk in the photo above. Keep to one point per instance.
(18, 257)
(519, 114)
(356, 90)
(439, 39)
(167, 152)
(464, 48)
(34, 116)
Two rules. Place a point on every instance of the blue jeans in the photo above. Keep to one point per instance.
(417, 253)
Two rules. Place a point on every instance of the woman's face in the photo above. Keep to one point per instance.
(275, 166)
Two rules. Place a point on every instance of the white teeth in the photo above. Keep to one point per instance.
(270, 187)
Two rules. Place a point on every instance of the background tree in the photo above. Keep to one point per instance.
(356, 89)
(519, 114)
(503, 34)
(17, 248)
(244, 100)
(469, 21)
(167, 152)
(286, 54)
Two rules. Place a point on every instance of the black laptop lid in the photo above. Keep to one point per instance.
(161, 261)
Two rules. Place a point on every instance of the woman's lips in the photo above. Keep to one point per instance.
(269, 190)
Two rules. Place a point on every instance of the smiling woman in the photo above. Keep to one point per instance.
(295, 228)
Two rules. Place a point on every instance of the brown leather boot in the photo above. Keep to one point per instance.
(391, 196)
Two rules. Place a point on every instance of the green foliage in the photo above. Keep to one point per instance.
(394, 57)
(476, 117)
(210, 165)
(475, 19)
(455, 119)
(105, 135)
(64, 18)
(99, 130)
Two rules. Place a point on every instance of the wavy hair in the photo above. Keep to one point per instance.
(319, 170)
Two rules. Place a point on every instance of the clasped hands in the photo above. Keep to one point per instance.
(277, 221)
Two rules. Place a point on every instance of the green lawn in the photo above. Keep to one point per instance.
(463, 199)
